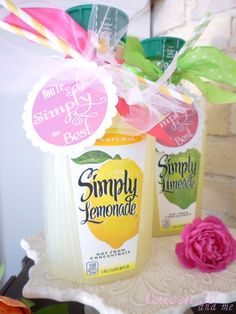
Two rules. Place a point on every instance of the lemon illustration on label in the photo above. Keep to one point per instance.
(112, 201)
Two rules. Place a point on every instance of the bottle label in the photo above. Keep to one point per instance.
(107, 182)
(177, 181)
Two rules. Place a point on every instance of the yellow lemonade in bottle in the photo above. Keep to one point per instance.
(99, 206)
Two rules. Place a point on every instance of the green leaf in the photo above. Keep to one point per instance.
(27, 302)
(92, 157)
(2, 270)
(117, 157)
(54, 309)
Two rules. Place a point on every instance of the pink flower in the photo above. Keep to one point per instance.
(207, 245)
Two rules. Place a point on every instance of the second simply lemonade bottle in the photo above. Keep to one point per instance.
(179, 164)
(98, 208)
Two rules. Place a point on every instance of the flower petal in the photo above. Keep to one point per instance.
(13, 306)
(196, 221)
(186, 231)
(180, 252)
(213, 219)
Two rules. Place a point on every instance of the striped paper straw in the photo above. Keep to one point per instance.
(28, 35)
(58, 42)
(197, 32)
(179, 96)
(166, 90)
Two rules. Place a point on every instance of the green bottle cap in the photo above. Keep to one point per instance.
(81, 14)
(162, 49)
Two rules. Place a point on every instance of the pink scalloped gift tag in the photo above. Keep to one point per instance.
(69, 110)
(179, 130)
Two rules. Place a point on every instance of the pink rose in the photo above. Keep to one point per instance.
(207, 245)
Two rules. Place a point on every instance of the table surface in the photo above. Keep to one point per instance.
(174, 280)
(13, 288)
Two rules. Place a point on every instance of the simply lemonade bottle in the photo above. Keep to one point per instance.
(99, 208)
(179, 152)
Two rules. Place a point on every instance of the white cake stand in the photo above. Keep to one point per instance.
(163, 287)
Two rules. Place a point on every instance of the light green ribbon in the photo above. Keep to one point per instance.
(134, 56)
(205, 67)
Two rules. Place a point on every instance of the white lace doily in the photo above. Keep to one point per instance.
(163, 282)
